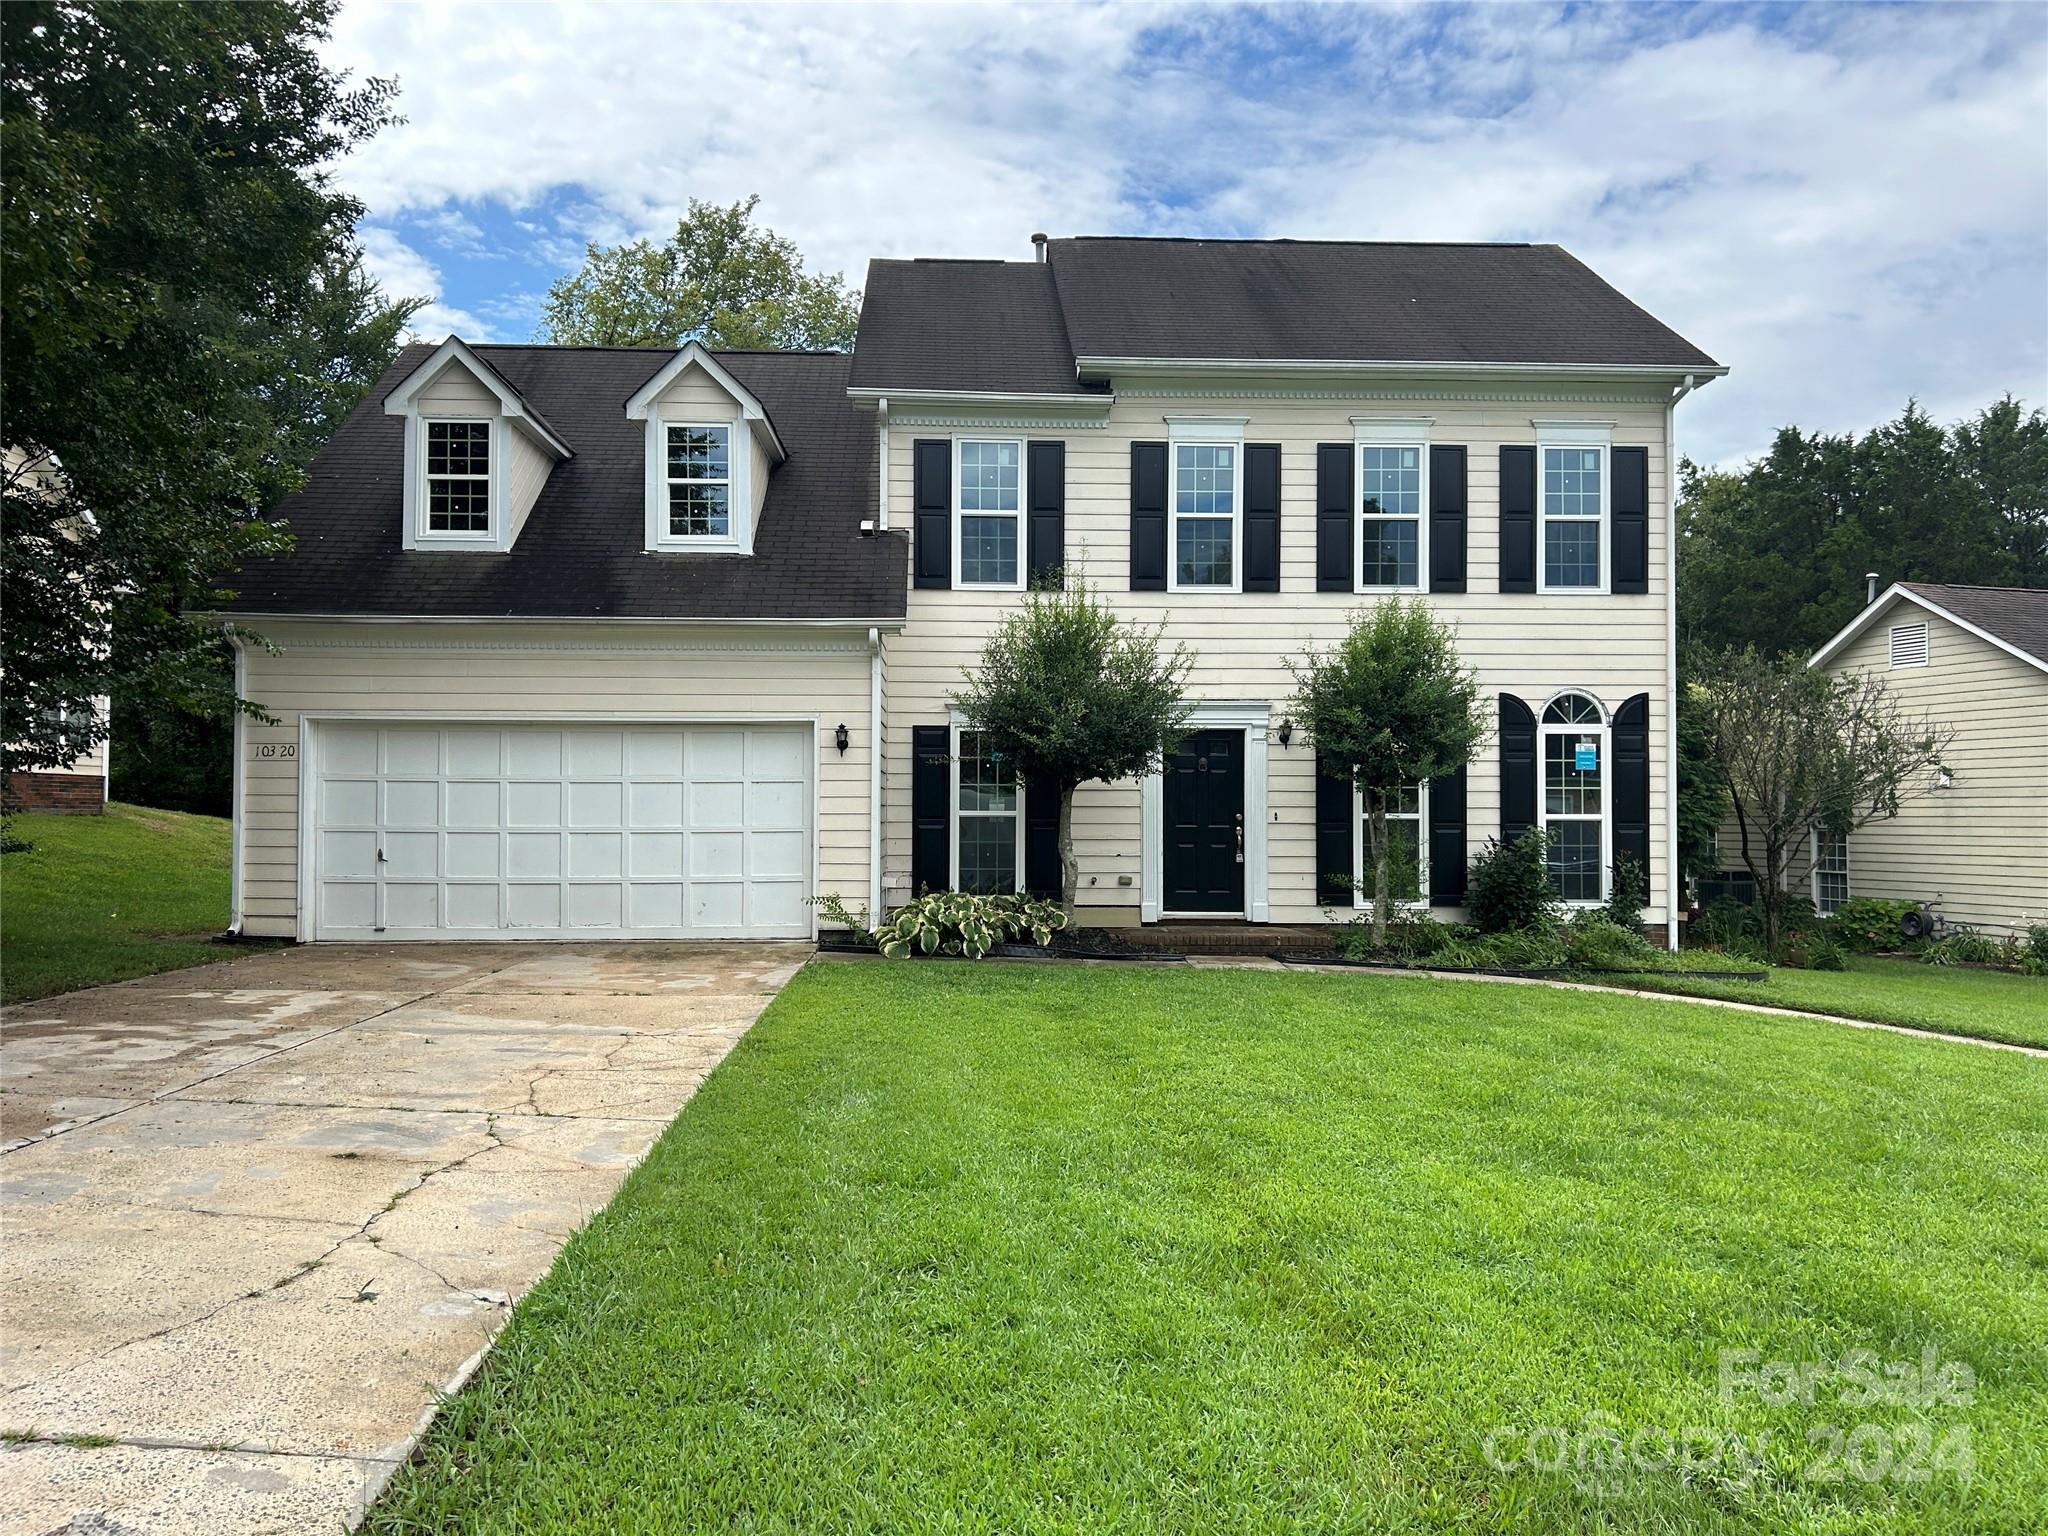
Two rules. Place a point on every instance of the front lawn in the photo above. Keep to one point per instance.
(990, 1248)
(104, 898)
(1995, 1005)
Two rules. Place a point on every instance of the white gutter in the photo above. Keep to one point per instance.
(1671, 876)
(1347, 365)
(239, 801)
(865, 396)
(874, 777)
(882, 464)
(553, 618)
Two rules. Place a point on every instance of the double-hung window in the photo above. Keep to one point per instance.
(1205, 506)
(1407, 847)
(458, 477)
(1572, 495)
(699, 480)
(1393, 493)
(1830, 872)
(1574, 809)
(988, 520)
(988, 818)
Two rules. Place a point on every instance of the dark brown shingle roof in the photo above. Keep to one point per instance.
(2016, 615)
(581, 552)
(991, 327)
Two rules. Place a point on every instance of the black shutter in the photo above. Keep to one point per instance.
(1518, 519)
(1517, 768)
(1631, 508)
(1447, 839)
(931, 781)
(1048, 536)
(1631, 738)
(1336, 564)
(1447, 519)
(1042, 839)
(931, 495)
(1334, 833)
(1148, 517)
(1262, 517)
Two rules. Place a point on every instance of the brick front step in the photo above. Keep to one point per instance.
(1226, 938)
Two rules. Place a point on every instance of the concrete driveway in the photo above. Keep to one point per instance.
(253, 1217)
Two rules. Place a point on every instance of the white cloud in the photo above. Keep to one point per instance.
(403, 273)
(1848, 209)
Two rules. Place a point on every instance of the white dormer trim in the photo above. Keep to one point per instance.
(403, 401)
(749, 428)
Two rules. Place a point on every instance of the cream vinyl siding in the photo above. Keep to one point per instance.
(1610, 646)
(524, 671)
(1982, 845)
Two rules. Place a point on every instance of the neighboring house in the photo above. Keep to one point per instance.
(606, 642)
(1975, 658)
(79, 787)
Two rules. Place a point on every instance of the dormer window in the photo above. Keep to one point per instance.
(699, 480)
(458, 477)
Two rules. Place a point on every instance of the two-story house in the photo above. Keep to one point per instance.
(587, 642)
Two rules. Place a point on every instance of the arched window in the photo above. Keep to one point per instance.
(1574, 749)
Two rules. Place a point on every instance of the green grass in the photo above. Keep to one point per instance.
(1992, 1005)
(990, 1248)
(104, 898)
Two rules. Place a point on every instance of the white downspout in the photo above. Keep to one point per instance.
(882, 465)
(1671, 880)
(875, 775)
(239, 808)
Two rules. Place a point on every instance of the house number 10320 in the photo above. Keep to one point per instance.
(277, 749)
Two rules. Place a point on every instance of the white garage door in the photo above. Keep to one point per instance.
(561, 832)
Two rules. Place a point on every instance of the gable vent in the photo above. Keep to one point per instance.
(1909, 645)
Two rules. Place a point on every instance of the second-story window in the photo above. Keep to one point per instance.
(1205, 511)
(989, 514)
(699, 480)
(458, 477)
(1574, 517)
(1390, 518)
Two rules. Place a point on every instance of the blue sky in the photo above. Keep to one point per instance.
(1848, 204)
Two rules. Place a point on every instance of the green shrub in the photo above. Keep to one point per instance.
(1961, 946)
(1810, 949)
(956, 923)
(835, 910)
(2034, 951)
(1866, 924)
(1522, 949)
(1728, 924)
(1510, 885)
(1593, 941)
(1410, 936)
(1629, 894)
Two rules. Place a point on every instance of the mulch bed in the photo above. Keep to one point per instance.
(1555, 973)
(1071, 944)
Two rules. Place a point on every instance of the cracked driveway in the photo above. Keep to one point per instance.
(254, 1217)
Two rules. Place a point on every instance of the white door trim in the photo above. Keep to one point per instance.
(309, 779)
(1255, 720)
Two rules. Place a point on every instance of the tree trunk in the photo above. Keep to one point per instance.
(1376, 822)
(1774, 898)
(1070, 868)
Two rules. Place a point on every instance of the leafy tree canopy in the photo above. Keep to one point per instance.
(1393, 700)
(1069, 692)
(719, 280)
(1773, 555)
(185, 318)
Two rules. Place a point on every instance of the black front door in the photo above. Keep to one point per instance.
(1204, 807)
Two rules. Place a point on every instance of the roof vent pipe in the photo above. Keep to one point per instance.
(1869, 588)
(1038, 244)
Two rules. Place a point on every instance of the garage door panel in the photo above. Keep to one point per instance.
(567, 832)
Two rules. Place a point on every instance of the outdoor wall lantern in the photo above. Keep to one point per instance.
(839, 738)
(1286, 732)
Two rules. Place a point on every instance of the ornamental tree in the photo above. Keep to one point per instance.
(1392, 700)
(1801, 750)
(1069, 693)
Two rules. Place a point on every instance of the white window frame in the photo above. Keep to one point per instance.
(1212, 432)
(734, 447)
(1926, 645)
(1361, 874)
(1815, 873)
(1023, 502)
(960, 726)
(1390, 432)
(1569, 435)
(739, 504)
(1603, 732)
(493, 477)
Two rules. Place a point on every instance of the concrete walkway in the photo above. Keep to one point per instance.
(254, 1217)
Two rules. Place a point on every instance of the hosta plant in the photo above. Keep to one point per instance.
(957, 923)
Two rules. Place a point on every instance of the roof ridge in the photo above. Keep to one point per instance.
(1511, 245)
(587, 346)
(1975, 586)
